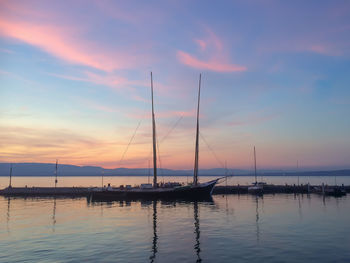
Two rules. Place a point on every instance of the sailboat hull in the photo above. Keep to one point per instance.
(256, 189)
(200, 192)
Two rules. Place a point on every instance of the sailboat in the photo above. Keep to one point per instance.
(10, 183)
(330, 190)
(255, 188)
(195, 191)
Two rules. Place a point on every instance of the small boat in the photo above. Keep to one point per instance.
(256, 187)
(330, 190)
(194, 191)
(335, 191)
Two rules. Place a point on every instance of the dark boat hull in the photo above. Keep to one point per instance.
(331, 191)
(335, 192)
(199, 192)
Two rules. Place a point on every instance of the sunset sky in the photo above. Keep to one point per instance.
(75, 82)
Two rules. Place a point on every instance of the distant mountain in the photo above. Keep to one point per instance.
(48, 169)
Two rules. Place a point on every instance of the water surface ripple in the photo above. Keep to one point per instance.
(240, 228)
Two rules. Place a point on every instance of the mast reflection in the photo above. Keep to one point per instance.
(299, 207)
(257, 218)
(197, 231)
(54, 215)
(155, 236)
(8, 214)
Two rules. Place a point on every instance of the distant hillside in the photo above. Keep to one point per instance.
(48, 169)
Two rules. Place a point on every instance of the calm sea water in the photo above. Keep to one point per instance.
(233, 228)
(136, 180)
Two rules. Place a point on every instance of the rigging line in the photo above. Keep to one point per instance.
(212, 151)
(131, 139)
(168, 133)
(160, 163)
(172, 128)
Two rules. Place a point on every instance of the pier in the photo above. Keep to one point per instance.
(85, 191)
(46, 191)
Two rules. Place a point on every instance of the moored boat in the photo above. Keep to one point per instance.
(330, 190)
(194, 191)
(200, 191)
(256, 187)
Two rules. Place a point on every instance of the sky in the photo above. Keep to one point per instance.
(75, 82)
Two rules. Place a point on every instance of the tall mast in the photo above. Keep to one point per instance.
(255, 166)
(10, 176)
(298, 170)
(154, 140)
(195, 175)
(56, 173)
(103, 173)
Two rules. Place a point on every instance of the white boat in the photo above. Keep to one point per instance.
(256, 187)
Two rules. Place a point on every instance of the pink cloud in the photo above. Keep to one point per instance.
(169, 114)
(110, 80)
(324, 50)
(69, 77)
(254, 118)
(212, 65)
(162, 114)
(106, 80)
(211, 46)
(66, 44)
(214, 39)
(202, 44)
(93, 105)
(6, 51)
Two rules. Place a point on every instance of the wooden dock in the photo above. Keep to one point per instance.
(45, 191)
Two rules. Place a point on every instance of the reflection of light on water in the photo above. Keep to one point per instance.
(183, 233)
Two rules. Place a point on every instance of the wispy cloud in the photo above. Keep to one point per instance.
(162, 114)
(213, 48)
(96, 106)
(201, 43)
(47, 29)
(254, 118)
(8, 51)
(62, 42)
(324, 50)
(111, 80)
(212, 65)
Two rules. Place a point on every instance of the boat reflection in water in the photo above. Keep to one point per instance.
(8, 214)
(155, 236)
(257, 217)
(54, 215)
(197, 232)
